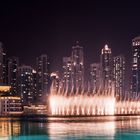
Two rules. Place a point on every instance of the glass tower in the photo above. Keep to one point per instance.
(135, 85)
(43, 76)
(106, 67)
(77, 67)
(119, 76)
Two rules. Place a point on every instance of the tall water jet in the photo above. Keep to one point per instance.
(82, 103)
(86, 103)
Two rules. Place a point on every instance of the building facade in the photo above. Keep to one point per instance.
(56, 83)
(12, 68)
(9, 105)
(34, 88)
(25, 76)
(43, 76)
(3, 72)
(135, 84)
(119, 76)
(95, 77)
(77, 59)
(67, 73)
(106, 67)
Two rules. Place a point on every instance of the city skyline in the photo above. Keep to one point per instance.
(128, 65)
(53, 60)
(70, 69)
(78, 64)
(45, 27)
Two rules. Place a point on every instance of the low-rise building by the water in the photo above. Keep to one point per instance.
(35, 110)
(9, 105)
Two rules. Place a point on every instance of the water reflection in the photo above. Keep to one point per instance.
(17, 130)
(9, 128)
(76, 130)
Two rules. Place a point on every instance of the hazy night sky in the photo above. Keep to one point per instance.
(30, 29)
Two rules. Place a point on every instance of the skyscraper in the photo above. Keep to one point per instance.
(43, 76)
(3, 73)
(106, 66)
(135, 85)
(77, 66)
(67, 73)
(119, 76)
(12, 67)
(35, 95)
(95, 76)
(25, 76)
(55, 82)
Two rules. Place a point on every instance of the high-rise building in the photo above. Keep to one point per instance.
(77, 67)
(95, 76)
(34, 86)
(55, 82)
(106, 66)
(43, 77)
(25, 76)
(67, 73)
(119, 76)
(3, 74)
(135, 85)
(12, 68)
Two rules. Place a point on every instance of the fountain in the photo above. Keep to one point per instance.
(101, 103)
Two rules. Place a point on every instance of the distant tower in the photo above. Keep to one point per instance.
(135, 86)
(77, 66)
(25, 76)
(67, 73)
(106, 66)
(95, 76)
(119, 76)
(43, 77)
(13, 64)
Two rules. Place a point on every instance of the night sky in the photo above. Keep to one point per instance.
(30, 29)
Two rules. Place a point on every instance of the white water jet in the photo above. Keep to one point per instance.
(62, 103)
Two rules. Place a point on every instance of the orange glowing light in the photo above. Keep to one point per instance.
(5, 88)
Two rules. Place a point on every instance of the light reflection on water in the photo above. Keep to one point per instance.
(107, 130)
(82, 129)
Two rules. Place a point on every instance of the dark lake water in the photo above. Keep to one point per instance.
(128, 129)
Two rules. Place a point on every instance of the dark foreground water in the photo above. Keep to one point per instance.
(128, 129)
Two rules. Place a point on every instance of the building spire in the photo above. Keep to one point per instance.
(106, 47)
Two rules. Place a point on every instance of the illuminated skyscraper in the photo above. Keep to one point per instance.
(135, 85)
(3, 72)
(25, 76)
(77, 67)
(12, 67)
(106, 66)
(43, 76)
(67, 73)
(95, 76)
(119, 76)
(35, 95)
(55, 81)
